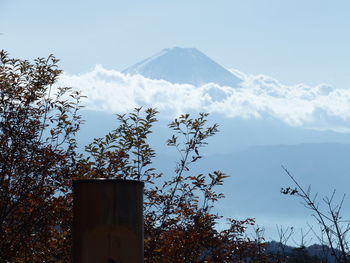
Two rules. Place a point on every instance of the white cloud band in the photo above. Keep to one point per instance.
(320, 107)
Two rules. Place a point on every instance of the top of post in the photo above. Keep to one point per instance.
(105, 180)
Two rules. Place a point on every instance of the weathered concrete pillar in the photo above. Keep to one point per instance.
(108, 221)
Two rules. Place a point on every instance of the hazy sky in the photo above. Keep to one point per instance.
(294, 41)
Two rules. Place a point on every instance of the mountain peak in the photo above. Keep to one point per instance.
(183, 65)
(182, 50)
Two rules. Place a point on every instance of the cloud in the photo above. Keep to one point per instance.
(258, 96)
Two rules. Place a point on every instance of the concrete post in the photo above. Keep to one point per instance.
(108, 221)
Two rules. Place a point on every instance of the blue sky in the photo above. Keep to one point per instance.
(294, 41)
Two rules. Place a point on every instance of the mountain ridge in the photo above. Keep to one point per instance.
(184, 66)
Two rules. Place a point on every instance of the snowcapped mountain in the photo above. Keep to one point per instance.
(184, 66)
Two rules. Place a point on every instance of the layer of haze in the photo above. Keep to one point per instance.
(257, 97)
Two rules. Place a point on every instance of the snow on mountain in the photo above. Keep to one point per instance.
(184, 66)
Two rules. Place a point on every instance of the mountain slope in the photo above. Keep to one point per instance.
(256, 177)
(185, 66)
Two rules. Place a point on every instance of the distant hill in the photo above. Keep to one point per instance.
(314, 253)
(184, 66)
(256, 178)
